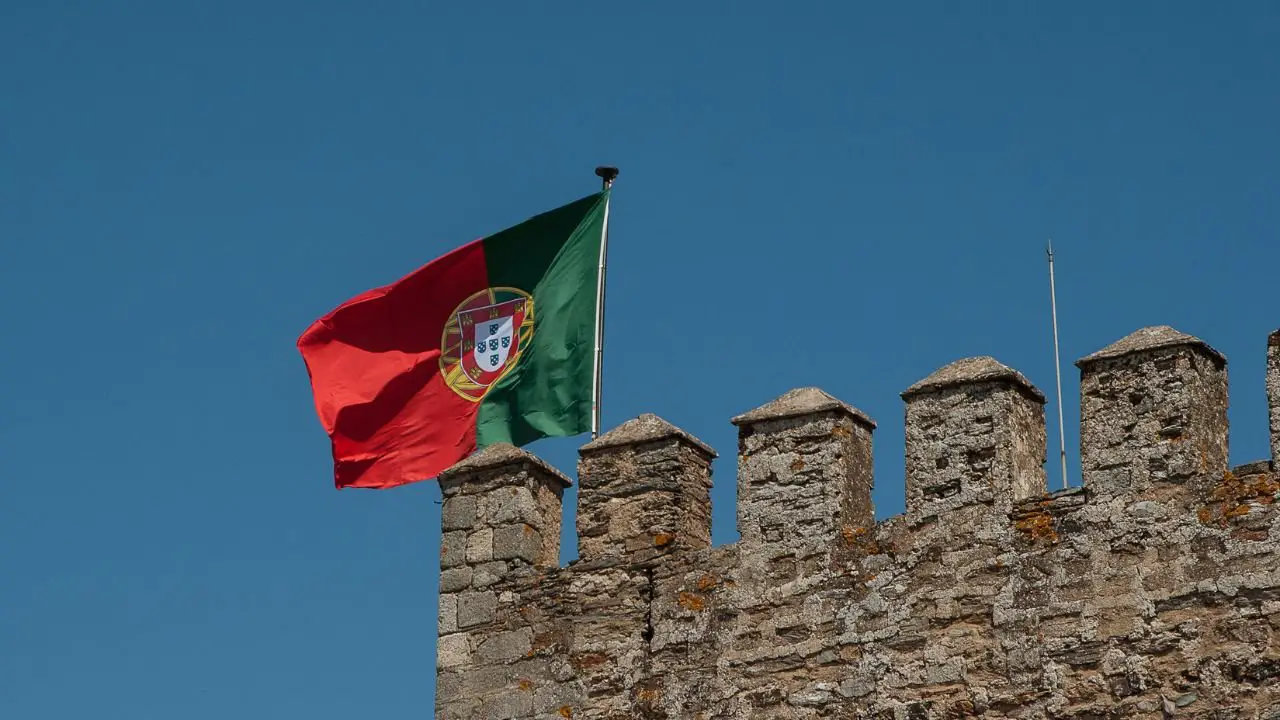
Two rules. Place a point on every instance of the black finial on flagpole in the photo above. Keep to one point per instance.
(607, 173)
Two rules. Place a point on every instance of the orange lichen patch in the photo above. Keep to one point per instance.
(663, 539)
(708, 581)
(565, 711)
(691, 601)
(797, 465)
(859, 539)
(525, 685)
(841, 431)
(647, 694)
(1038, 525)
(527, 530)
(1231, 498)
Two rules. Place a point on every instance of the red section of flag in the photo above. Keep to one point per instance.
(374, 363)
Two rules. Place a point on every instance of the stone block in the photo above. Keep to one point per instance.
(556, 700)
(458, 512)
(517, 542)
(453, 549)
(447, 611)
(486, 574)
(512, 703)
(511, 505)
(505, 646)
(465, 707)
(453, 650)
(476, 608)
(455, 579)
(480, 546)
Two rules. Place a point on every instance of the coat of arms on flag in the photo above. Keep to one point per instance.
(483, 339)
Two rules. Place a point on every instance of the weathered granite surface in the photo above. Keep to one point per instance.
(1152, 591)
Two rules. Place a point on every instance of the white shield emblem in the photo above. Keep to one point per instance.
(493, 343)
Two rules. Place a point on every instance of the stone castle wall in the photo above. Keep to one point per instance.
(1151, 591)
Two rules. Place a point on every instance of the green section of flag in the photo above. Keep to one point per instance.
(555, 257)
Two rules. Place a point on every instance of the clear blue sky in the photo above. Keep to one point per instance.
(811, 194)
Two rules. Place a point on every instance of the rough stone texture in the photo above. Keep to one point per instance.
(501, 516)
(1273, 390)
(500, 455)
(804, 478)
(975, 433)
(1153, 413)
(802, 401)
(968, 371)
(645, 491)
(1149, 339)
(1155, 599)
(646, 428)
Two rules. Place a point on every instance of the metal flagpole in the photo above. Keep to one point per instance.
(1057, 365)
(606, 175)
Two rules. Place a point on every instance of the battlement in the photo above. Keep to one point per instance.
(1153, 590)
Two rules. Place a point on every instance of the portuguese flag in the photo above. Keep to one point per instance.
(493, 342)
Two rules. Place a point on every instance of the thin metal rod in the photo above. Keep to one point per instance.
(607, 175)
(1057, 366)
